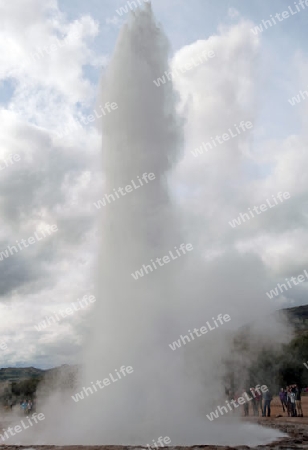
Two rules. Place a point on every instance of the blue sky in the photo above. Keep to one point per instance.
(185, 23)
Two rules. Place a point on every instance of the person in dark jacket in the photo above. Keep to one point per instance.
(267, 398)
(283, 398)
(291, 402)
(298, 401)
(255, 402)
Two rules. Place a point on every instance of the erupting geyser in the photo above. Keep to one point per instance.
(135, 387)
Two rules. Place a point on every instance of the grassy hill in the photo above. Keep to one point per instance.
(17, 383)
(298, 316)
(17, 374)
(20, 373)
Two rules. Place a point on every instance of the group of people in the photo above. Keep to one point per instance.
(260, 402)
(290, 398)
(26, 406)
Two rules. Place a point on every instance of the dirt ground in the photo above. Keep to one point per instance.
(276, 409)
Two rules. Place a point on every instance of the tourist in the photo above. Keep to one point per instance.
(24, 407)
(259, 400)
(29, 406)
(282, 396)
(255, 401)
(291, 402)
(267, 398)
(293, 393)
(298, 401)
(245, 406)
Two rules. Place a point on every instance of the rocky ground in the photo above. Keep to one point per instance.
(295, 427)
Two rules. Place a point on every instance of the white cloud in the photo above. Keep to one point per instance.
(55, 180)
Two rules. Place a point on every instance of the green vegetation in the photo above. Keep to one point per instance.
(25, 388)
(17, 384)
(19, 373)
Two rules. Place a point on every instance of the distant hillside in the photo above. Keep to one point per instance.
(18, 383)
(298, 316)
(20, 373)
(300, 312)
(54, 375)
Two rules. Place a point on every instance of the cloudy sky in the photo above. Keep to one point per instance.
(52, 56)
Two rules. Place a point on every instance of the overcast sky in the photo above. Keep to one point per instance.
(52, 55)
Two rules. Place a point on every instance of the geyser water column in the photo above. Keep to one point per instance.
(135, 320)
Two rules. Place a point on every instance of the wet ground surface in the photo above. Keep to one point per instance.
(295, 427)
